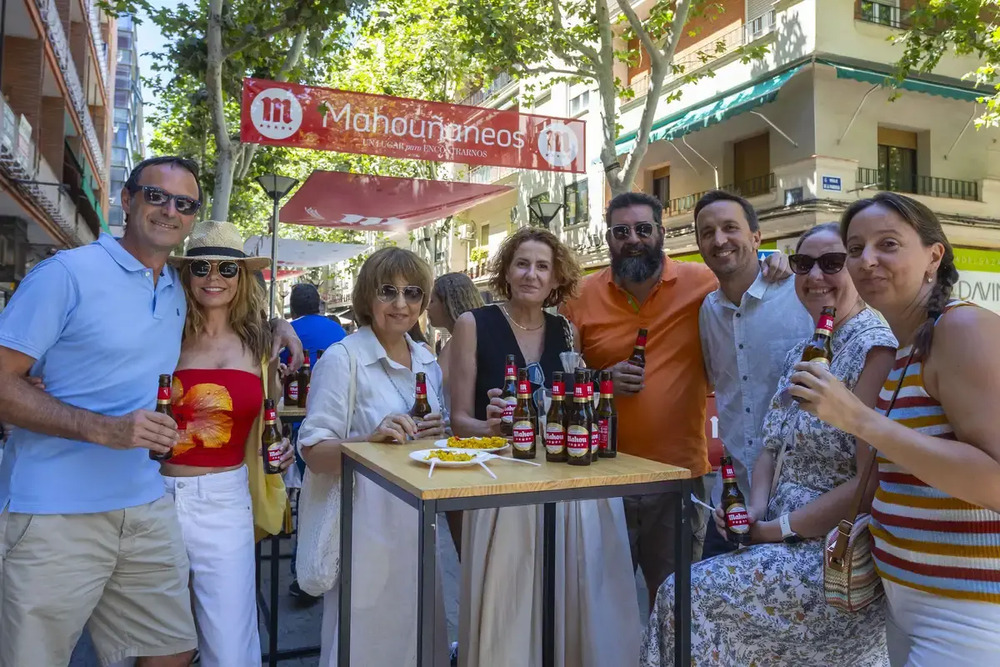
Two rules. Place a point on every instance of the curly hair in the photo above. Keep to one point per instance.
(928, 227)
(382, 267)
(247, 312)
(565, 268)
(458, 294)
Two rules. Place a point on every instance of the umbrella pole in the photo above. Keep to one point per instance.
(274, 256)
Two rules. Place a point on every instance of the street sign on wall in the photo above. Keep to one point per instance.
(288, 114)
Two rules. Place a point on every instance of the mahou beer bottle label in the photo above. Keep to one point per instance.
(421, 390)
(293, 390)
(577, 440)
(640, 341)
(737, 518)
(728, 472)
(825, 324)
(162, 394)
(555, 438)
(524, 435)
(603, 431)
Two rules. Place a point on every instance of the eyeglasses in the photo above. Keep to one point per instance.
(202, 267)
(643, 230)
(159, 197)
(829, 263)
(389, 293)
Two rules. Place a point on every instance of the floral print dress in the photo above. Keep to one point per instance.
(764, 605)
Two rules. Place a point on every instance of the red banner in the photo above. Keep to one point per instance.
(289, 114)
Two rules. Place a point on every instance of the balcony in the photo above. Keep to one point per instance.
(753, 187)
(100, 47)
(880, 12)
(477, 98)
(488, 175)
(928, 186)
(78, 99)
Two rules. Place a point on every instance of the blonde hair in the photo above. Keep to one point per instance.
(247, 312)
(458, 294)
(383, 267)
(565, 268)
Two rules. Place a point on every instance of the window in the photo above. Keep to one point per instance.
(542, 99)
(579, 104)
(438, 247)
(885, 12)
(661, 185)
(484, 235)
(752, 165)
(575, 201)
(533, 219)
(897, 160)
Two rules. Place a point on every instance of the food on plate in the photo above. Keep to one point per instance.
(491, 442)
(445, 455)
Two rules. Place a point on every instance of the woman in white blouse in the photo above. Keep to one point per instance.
(391, 292)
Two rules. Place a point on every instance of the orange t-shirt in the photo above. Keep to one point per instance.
(666, 420)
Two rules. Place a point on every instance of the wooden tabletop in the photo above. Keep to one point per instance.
(393, 462)
(291, 411)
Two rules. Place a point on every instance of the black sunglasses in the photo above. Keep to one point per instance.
(643, 230)
(202, 267)
(829, 263)
(159, 197)
(389, 293)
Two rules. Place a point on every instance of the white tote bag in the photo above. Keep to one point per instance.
(317, 560)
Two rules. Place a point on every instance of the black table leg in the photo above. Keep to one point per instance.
(426, 573)
(549, 584)
(346, 535)
(682, 578)
(272, 624)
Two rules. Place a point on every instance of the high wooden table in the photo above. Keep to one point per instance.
(472, 488)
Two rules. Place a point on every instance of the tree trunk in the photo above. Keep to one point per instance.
(224, 159)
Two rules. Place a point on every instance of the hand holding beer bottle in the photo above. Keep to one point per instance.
(429, 424)
(629, 376)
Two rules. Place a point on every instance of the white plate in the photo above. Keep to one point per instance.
(478, 457)
(443, 444)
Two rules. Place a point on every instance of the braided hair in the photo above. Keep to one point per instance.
(928, 228)
(458, 294)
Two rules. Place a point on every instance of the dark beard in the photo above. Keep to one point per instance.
(638, 269)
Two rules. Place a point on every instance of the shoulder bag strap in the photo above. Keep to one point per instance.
(352, 391)
(839, 549)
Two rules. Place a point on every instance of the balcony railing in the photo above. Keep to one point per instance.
(57, 38)
(100, 47)
(487, 175)
(880, 12)
(752, 187)
(723, 44)
(483, 94)
(928, 186)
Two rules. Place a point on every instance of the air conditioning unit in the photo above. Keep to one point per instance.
(467, 233)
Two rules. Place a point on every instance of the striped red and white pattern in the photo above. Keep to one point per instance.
(924, 538)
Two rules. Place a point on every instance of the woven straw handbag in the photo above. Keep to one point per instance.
(850, 581)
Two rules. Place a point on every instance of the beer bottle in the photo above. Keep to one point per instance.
(292, 390)
(555, 422)
(163, 407)
(509, 395)
(594, 435)
(578, 424)
(270, 440)
(305, 376)
(421, 406)
(819, 348)
(525, 429)
(737, 517)
(607, 419)
(638, 357)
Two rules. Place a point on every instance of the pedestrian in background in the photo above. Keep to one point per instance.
(316, 331)
(453, 294)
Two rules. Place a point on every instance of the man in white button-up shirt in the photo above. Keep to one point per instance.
(747, 327)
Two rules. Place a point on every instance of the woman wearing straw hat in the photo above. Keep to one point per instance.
(215, 475)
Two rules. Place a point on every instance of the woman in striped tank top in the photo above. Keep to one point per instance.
(936, 513)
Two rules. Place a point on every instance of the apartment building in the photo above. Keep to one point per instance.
(801, 133)
(55, 130)
(127, 146)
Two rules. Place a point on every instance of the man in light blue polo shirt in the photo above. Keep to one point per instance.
(85, 529)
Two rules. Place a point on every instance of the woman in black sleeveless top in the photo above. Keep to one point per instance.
(500, 607)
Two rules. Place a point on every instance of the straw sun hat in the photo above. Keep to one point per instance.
(219, 241)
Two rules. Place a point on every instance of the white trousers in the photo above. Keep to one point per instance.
(925, 630)
(217, 524)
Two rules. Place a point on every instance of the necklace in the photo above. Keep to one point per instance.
(406, 402)
(518, 324)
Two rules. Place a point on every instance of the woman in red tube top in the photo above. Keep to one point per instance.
(218, 395)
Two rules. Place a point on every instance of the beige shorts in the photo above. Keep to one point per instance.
(123, 574)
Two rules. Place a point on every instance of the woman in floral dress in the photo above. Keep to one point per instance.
(764, 605)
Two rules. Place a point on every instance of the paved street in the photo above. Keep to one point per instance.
(300, 626)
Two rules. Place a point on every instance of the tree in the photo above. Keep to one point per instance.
(581, 40)
(965, 28)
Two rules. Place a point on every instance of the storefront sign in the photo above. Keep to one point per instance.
(978, 277)
(288, 114)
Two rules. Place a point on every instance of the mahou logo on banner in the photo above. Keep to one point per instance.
(288, 114)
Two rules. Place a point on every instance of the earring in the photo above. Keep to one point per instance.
(929, 280)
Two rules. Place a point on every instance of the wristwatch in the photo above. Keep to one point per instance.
(788, 536)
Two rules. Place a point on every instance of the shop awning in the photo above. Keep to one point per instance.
(303, 254)
(380, 203)
(914, 85)
(710, 113)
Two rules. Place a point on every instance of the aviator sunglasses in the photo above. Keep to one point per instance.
(158, 197)
(643, 230)
(389, 293)
(829, 263)
(202, 267)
